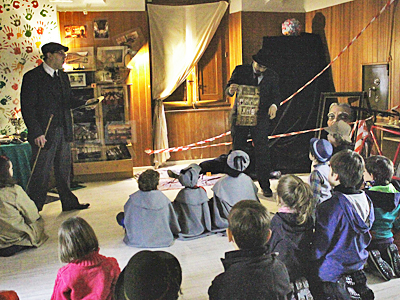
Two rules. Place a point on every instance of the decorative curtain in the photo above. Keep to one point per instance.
(179, 36)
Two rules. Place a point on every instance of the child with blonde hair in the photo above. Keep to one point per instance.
(88, 274)
(292, 229)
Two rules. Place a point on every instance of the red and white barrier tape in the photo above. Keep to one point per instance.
(194, 145)
(187, 147)
(340, 53)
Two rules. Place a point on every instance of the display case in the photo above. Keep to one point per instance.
(102, 136)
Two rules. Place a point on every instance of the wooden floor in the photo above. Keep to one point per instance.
(32, 273)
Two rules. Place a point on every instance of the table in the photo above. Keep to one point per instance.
(20, 156)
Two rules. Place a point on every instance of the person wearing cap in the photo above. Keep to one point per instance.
(320, 153)
(46, 100)
(150, 275)
(256, 74)
(232, 188)
(149, 218)
(191, 205)
(339, 136)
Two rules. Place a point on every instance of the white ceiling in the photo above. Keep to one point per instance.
(236, 5)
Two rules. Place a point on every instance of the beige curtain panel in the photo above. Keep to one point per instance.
(179, 36)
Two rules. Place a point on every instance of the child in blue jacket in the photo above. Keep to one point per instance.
(342, 233)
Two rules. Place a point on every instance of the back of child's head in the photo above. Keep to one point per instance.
(76, 239)
(321, 149)
(381, 168)
(236, 163)
(341, 132)
(148, 180)
(349, 166)
(150, 275)
(189, 176)
(249, 223)
(296, 194)
(5, 176)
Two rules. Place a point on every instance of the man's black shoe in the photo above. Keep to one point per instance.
(77, 207)
(172, 174)
(267, 192)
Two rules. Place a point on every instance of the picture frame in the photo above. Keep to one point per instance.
(77, 79)
(75, 31)
(114, 113)
(81, 58)
(100, 29)
(113, 56)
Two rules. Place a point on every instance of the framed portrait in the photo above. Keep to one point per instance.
(81, 58)
(100, 28)
(104, 77)
(112, 56)
(77, 79)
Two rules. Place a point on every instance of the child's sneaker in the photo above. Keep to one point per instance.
(378, 265)
(394, 257)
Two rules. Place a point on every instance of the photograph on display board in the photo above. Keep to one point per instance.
(81, 58)
(73, 31)
(100, 28)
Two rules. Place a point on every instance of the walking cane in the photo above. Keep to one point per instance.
(38, 153)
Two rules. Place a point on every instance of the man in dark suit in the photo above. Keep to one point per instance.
(45, 92)
(255, 74)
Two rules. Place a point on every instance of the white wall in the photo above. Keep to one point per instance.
(282, 5)
(24, 27)
(310, 5)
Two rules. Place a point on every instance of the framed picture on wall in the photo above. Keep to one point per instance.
(77, 79)
(81, 58)
(113, 56)
(74, 31)
(100, 28)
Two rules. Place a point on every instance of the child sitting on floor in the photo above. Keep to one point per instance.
(292, 229)
(88, 274)
(21, 226)
(320, 153)
(251, 271)
(342, 233)
(150, 275)
(191, 205)
(231, 188)
(385, 198)
(149, 217)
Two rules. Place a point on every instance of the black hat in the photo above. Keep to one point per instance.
(261, 57)
(53, 47)
(150, 275)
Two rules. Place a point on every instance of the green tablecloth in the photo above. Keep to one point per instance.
(20, 156)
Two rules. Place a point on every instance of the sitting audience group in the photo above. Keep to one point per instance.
(317, 246)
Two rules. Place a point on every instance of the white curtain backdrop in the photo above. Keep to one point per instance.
(179, 36)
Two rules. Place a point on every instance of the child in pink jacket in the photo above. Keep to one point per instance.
(88, 274)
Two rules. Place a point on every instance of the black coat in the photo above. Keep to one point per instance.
(292, 242)
(269, 86)
(38, 94)
(251, 274)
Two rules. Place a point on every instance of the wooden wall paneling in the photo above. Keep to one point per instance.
(235, 41)
(140, 106)
(190, 126)
(346, 20)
